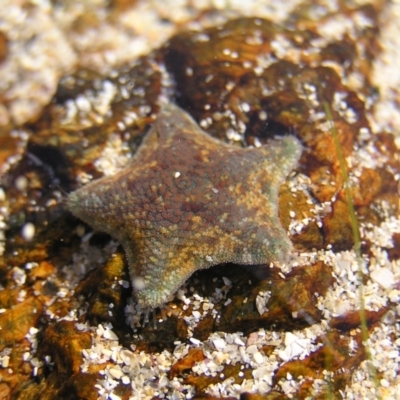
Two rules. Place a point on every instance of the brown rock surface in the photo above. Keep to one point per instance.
(67, 288)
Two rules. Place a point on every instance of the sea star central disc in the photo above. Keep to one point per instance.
(188, 201)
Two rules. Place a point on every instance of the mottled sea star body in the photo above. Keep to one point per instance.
(188, 201)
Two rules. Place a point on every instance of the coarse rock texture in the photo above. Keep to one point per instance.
(81, 92)
(34, 54)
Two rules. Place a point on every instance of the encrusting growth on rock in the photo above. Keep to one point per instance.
(188, 201)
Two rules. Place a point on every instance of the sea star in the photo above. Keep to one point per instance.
(188, 201)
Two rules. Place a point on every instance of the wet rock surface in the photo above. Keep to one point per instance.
(70, 326)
